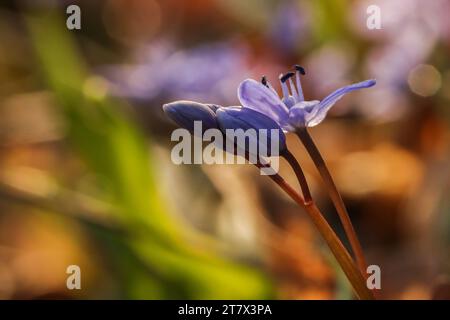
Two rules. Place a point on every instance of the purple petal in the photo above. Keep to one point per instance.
(302, 113)
(331, 99)
(245, 119)
(254, 95)
(184, 113)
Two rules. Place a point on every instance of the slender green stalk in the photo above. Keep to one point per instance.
(337, 248)
(335, 197)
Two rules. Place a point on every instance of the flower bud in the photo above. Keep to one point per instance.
(184, 113)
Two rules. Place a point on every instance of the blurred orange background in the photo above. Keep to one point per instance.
(86, 177)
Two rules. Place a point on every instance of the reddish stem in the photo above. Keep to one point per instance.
(337, 248)
(300, 175)
(335, 197)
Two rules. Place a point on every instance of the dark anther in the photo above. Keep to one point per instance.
(264, 81)
(286, 76)
(300, 69)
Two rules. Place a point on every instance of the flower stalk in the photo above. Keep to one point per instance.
(299, 174)
(263, 109)
(337, 248)
(335, 196)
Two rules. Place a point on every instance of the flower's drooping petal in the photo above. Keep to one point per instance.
(256, 96)
(331, 99)
(302, 113)
(184, 113)
(245, 119)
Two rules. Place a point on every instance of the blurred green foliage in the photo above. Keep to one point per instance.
(150, 256)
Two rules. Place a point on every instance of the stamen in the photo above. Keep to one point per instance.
(286, 76)
(294, 91)
(299, 70)
(284, 87)
(264, 81)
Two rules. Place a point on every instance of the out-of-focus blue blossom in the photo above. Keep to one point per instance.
(291, 111)
(204, 73)
(409, 33)
(243, 118)
(397, 17)
(329, 66)
(288, 27)
(184, 113)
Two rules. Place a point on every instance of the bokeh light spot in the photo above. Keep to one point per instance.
(424, 80)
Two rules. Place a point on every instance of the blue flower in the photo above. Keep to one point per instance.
(184, 113)
(212, 116)
(243, 118)
(291, 111)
